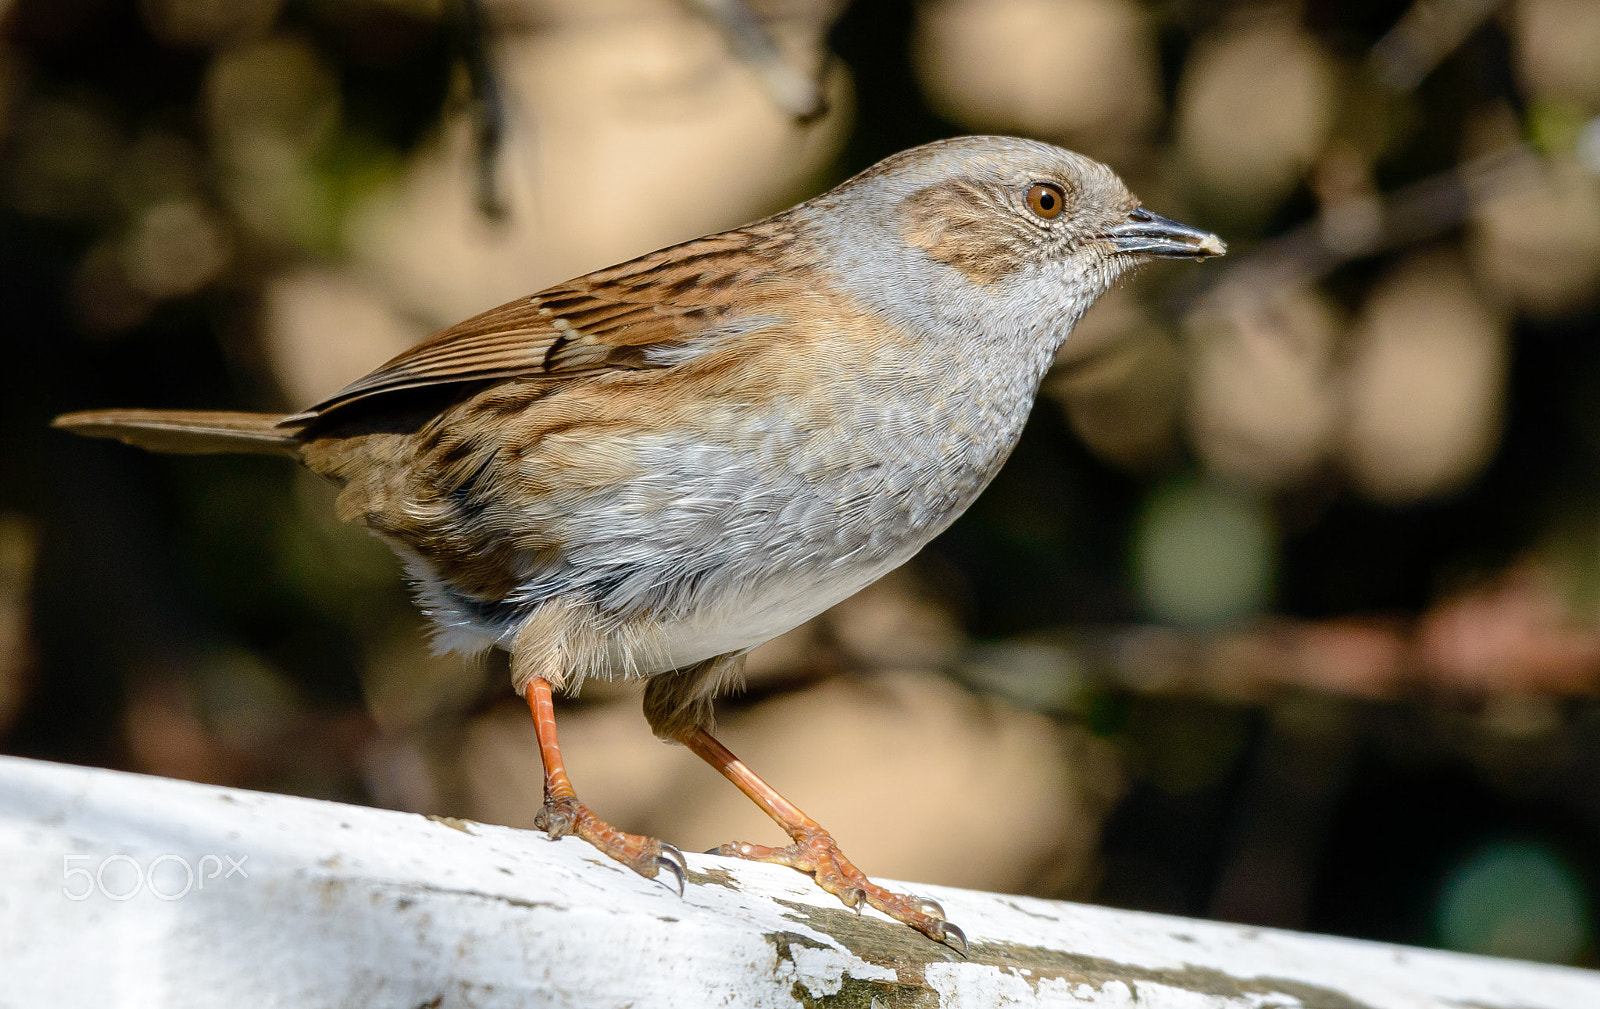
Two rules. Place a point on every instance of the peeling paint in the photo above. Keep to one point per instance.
(453, 822)
(713, 876)
(886, 943)
(821, 977)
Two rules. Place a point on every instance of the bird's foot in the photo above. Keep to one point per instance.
(815, 851)
(648, 856)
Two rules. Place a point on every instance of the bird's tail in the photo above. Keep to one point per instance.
(189, 431)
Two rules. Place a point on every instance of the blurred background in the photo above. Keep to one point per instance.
(1286, 610)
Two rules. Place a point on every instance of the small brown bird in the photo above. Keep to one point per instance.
(650, 470)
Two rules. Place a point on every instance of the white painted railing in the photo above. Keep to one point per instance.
(123, 890)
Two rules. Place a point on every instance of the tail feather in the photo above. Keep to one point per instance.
(189, 431)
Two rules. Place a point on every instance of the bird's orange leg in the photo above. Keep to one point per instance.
(815, 851)
(563, 814)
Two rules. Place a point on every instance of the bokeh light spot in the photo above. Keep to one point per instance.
(1516, 899)
(1204, 553)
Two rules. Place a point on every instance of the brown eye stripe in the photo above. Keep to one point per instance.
(1046, 200)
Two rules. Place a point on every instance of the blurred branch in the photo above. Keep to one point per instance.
(489, 109)
(1428, 32)
(1364, 226)
(752, 43)
(1511, 637)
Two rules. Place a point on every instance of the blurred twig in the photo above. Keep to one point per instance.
(1365, 226)
(489, 109)
(1428, 32)
(1512, 636)
(751, 42)
(1368, 224)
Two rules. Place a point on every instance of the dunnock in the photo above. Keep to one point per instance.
(650, 470)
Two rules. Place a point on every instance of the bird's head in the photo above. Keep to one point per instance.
(999, 228)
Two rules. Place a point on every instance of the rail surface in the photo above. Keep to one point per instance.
(124, 890)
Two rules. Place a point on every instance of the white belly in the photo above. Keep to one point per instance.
(741, 620)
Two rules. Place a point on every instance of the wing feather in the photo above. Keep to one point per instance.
(609, 319)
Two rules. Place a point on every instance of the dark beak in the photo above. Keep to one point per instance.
(1147, 234)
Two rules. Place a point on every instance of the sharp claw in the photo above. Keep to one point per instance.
(853, 898)
(930, 907)
(664, 862)
(950, 935)
(668, 851)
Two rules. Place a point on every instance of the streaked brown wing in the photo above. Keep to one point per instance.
(609, 319)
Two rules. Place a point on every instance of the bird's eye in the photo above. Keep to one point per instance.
(1046, 200)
